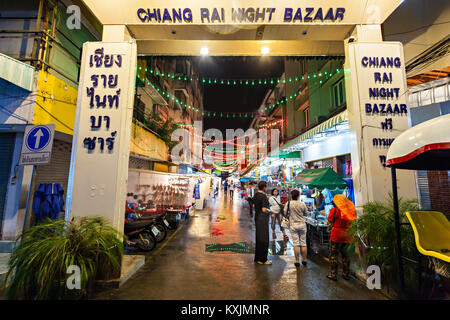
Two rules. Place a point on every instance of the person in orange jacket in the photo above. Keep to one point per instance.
(340, 217)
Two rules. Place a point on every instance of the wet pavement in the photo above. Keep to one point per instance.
(194, 265)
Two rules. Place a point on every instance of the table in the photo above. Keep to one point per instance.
(317, 229)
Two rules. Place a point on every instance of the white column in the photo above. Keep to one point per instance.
(99, 169)
(376, 101)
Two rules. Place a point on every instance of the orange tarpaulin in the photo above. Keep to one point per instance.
(347, 208)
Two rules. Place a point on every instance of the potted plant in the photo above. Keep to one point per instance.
(39, 264)
(375, 230)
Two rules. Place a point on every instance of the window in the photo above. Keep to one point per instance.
(155, 109)
(338, 91)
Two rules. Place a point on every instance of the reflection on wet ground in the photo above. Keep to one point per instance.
(191, 266)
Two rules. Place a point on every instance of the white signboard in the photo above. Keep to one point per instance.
(378, 113)
(242, 12)
(37, 145)
(101, 142)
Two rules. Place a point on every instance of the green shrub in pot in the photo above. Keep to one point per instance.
(375, 228)
(39, 262)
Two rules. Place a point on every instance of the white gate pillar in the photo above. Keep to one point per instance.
(101, 142)
(376, 92)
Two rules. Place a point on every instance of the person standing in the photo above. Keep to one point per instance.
(232, 186)
(340, 218)
(262, 214)
(297, 211)
(225, 188)
(251, 194)
(275, 207)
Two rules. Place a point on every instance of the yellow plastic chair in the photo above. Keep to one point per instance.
(432, 233)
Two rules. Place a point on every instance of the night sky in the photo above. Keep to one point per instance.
(239, 98)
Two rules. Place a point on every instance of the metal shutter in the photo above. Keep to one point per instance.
(139, 163)
(58, 169)
(424, 192)
(6, 152)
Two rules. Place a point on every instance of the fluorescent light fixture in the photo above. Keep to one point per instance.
(265, 50)
(204, 51)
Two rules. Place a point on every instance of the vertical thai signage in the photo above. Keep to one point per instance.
(380, 112)
(101, 141)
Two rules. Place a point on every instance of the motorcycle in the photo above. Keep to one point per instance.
(160, 227)
(138, 234)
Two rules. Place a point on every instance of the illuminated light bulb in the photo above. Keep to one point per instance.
(204, 51)
(265, 50)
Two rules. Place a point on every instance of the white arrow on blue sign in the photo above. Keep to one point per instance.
(37, 145)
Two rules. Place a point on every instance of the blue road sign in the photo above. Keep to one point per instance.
(38, 138)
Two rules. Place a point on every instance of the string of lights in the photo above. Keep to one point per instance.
(236, 81)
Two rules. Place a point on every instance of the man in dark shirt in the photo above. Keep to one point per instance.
(262, 214)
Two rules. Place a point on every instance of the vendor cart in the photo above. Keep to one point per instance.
(422, 147)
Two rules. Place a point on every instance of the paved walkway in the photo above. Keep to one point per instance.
(184, 269)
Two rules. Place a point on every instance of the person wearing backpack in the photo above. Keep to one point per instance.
(295, 213)
(277, 208)
(340, 218)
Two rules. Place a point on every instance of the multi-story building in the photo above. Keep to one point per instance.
(308, 104)
(39, 69)
(41, 46)
(168, 95)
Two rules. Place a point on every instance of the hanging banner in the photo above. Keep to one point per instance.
(101, 140)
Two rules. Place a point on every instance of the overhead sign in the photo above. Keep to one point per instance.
(37, 145)
(242, 12)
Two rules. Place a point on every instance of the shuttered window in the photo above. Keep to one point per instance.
(6, 153)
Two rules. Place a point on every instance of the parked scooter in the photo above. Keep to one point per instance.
(138, 234)
(160, 227)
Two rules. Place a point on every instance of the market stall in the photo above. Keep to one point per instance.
(422, 147)
(326, 183)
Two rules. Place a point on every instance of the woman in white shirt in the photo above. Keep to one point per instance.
(275, 207)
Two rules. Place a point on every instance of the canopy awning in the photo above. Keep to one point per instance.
(423, 147)
(287, 155)
(155, 95)
(320, 178)
(16, 72)
(341, 117)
